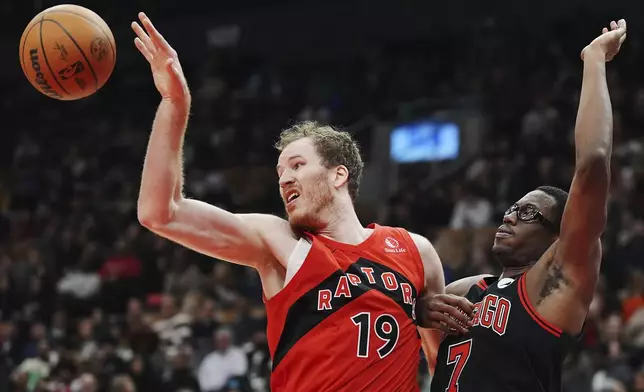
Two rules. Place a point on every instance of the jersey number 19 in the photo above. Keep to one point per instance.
(386, 328)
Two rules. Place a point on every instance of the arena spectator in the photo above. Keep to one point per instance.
(225, 363)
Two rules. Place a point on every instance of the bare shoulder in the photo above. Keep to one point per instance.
(434, 277)
(462, 286)
(424, 246)
(428, 255)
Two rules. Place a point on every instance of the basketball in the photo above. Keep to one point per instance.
(67, 52)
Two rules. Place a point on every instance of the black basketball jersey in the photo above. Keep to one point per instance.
(509, 348)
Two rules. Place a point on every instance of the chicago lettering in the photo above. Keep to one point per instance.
(343, 288)
(493, 313)
(40, 78)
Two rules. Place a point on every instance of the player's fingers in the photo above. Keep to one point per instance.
(449, 323)
(466, 306)
(622, 24)
(453, 312)
(155, 36)
(605, 30)
(144, 51)
(456, 326)
(142, 35)
(622, 28)
(461, 303)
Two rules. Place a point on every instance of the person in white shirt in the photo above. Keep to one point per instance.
(226, 362)
(472, 210)
(173, 326)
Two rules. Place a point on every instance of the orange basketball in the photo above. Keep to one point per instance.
(67, 52)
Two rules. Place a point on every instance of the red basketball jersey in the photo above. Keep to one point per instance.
(346, 319)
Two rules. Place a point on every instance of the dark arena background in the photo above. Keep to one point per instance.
(460, 107)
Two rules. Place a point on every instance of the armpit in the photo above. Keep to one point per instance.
(555, 279)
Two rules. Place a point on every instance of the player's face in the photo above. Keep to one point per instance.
(305, 183)
(527, 231)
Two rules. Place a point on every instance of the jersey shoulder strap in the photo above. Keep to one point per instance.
(416, 258)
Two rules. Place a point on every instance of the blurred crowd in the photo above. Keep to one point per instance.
(89, 301)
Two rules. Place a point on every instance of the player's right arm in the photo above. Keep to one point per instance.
(162, 207)
(462, 286)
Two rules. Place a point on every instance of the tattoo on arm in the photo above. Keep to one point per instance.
(553, 282)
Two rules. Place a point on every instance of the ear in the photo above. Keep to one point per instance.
(340, 176)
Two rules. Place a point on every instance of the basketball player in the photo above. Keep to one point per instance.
(550, 251)
(340, 297)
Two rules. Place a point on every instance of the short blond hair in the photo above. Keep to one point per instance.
(334, 146)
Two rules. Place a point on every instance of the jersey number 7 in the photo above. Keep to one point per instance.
(457, 355)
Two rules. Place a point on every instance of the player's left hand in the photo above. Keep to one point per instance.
(608, 43)
(164, 61)
(448, 313)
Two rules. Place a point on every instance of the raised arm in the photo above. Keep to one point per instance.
(584, 216)
(162, 207)
(571, 267)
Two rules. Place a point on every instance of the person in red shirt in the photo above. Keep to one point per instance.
(341, 298)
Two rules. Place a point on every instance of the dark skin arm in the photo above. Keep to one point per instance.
(462, 286)
(562, 283)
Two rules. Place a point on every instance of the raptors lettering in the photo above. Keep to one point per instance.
(386, 280)
(492, 312)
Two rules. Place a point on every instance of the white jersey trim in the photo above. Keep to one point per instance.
(296, 260)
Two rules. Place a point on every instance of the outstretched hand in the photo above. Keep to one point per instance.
(164, 62)
(609, 42)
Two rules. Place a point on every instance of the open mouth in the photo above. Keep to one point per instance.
(291, 196)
